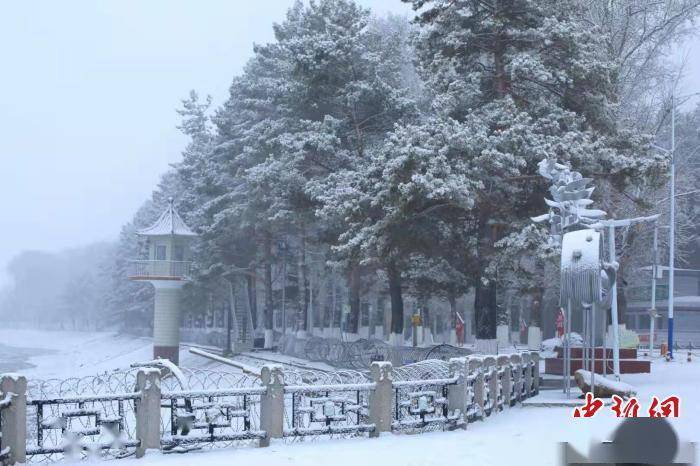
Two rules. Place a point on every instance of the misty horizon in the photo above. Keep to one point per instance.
(90, 123)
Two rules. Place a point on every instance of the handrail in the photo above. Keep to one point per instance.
(159, 268)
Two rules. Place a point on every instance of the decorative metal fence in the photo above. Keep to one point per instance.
(316, 410)
(81, 425)
(197, 418)
(177, 410)
(423, 405)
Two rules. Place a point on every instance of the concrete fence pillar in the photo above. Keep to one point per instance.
(13, 387)
(535, 356)
(479, 389)
(458, 394)
(490, 368)
(380, 399)
(506, 381)
(272, 404)
(527, 374)
(148, 410)
(516, 367)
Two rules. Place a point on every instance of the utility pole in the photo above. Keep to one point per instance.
(672, 239)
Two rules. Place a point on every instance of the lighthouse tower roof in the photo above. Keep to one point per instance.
(169, 223)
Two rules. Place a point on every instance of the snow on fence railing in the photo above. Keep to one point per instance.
(423, 404)
(78, 425)
(313, 410)
(197, 418)
(128, 413)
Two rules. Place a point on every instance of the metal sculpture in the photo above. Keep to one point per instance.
(586, 279)
(586, 283)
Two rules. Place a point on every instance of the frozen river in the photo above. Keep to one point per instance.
(14, 359)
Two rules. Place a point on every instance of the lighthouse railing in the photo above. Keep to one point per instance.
(144, 269)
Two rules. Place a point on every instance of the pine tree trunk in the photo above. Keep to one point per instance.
(537, 307)
(354, 299)
(501, 82)
(485, 305)
(453, 310)
(396, 301)
(252, 294)
(269, 303)
(302, 286)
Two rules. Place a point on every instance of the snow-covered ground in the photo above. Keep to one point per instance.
(520, 435)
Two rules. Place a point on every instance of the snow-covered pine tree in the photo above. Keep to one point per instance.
(523, 80)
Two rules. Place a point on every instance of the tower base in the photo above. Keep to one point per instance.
(167, 352)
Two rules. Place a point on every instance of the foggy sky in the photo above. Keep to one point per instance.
(89, 92)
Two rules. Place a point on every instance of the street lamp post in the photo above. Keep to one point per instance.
(672, 239)
(652, 311)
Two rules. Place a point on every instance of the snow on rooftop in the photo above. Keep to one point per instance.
(169, 223)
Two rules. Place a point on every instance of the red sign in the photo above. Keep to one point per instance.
(668, 407)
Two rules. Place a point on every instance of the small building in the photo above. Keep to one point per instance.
(167, 269)
(686, 308)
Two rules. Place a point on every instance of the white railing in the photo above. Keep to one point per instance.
(145, 414)
(159, 269)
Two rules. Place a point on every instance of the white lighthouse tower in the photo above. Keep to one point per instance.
(167, 269)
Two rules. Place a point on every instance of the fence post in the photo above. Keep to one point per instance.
(506, 382)
(490, 367)
(479, 392)
(457, 394)
(14, 418)
(380, 399)
(516, 365)
(148, 410)
(272, 404)
(536, 371)
(527, 375)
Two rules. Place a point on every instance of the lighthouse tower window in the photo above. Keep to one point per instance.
(178, 253)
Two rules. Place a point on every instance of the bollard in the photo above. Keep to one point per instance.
(506, 381)
(272, 404)
(479, 389)
(458, 394)
(380, 399)
(535, 372)
(527, 375)
(517, 372)
(148, 410)
(14, 418)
